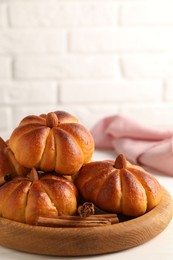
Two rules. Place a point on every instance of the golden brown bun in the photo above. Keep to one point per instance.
(52, 142)
(8, 163)
(24, 200)
(118, 186)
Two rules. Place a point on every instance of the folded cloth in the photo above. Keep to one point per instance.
(143, 145)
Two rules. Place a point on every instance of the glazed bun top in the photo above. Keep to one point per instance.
(119, 186)
(52, 142)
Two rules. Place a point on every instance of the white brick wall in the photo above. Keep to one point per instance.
(19, 93)
(32, 41)
(63, 13)
(132, 91)
(92, 58)
(121, 39)
(148, 65)
(3, 16)
(169, 90)
(66, 66)
(5, 67)
(146, 13)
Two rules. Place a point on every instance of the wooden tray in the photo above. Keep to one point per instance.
(90, 240)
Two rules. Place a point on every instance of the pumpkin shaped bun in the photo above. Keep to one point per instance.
(24, 199)
(118, 186)
(9, 167)
(52, 142)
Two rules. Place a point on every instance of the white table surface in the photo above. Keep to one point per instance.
(158, 248)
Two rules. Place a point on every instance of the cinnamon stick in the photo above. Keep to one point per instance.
(59, 222)
(77, 221)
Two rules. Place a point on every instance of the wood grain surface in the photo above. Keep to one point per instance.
(88, 240)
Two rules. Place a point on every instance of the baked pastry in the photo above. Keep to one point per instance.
(118, 186)
(25, 199)
(9, 166)
(52, 142)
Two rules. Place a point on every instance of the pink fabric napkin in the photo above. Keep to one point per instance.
(143, 145)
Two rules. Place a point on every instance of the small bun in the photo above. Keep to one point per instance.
(52, 142)
(119, 186)
(9, 166)
(25, 199)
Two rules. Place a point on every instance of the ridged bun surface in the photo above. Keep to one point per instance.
(52, 142)
(118, 186)
(24, 200)
(9, 166)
